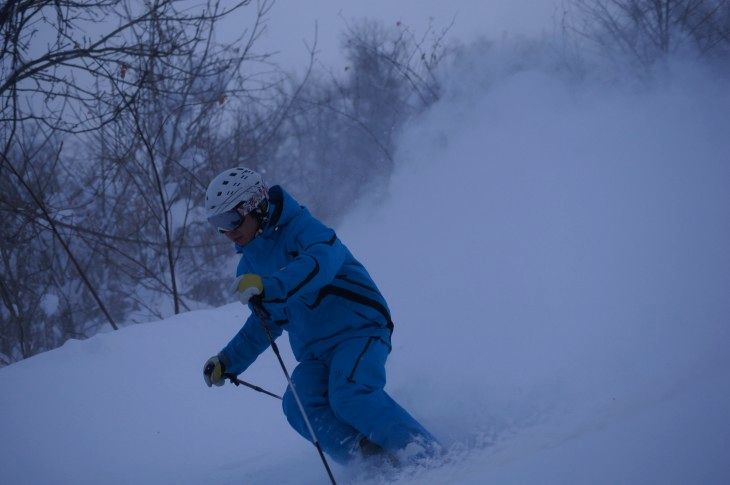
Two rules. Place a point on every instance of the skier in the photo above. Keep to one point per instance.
(339, 324)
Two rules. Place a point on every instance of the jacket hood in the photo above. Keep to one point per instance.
(282, 209)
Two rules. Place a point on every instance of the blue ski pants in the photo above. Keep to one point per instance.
(344, 399)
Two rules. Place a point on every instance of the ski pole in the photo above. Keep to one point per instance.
(263, 316)
(238, 382)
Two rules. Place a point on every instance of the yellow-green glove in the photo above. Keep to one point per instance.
(247, 286)
(214, 372)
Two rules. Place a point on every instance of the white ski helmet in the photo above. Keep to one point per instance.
(236, 191)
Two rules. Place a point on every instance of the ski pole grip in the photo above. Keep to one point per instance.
(258, 307)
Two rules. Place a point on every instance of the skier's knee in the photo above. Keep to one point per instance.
(291, 411)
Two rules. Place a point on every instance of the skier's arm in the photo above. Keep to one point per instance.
(318, 255)
(247, 345)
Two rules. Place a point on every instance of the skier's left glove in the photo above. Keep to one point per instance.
(214, 372)
(247, 286)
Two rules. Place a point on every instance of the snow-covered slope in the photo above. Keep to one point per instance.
(556, 258)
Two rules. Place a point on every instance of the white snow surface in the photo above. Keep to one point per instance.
(556, 257)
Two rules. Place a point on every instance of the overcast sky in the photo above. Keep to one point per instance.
(291, 22)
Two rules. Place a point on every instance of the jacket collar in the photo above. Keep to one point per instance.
(276, 205)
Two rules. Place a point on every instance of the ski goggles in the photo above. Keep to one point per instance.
(227, 221)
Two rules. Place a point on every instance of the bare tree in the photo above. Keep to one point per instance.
(85, 69)
(37, 280)
(157, 147)
(342, 129)
(648, 30)
(49, 62)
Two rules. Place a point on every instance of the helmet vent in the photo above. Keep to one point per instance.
(237, 186)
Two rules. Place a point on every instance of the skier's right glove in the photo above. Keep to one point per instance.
(214, 372)
(247, 286)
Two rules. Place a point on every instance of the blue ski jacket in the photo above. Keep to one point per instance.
(313, 288)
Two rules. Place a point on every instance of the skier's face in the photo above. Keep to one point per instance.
(245, 232)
